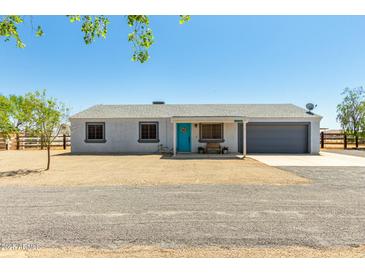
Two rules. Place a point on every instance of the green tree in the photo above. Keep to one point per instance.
(15, 114)
(141, 37)
(47, 119)
(4, 115)
(351, 111)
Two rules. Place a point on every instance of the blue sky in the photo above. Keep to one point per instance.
(212, 59)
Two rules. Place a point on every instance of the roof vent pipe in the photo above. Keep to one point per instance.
(158, 102)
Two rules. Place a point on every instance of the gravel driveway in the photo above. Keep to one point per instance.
(328, 212)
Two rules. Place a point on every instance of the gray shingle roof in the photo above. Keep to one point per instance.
(195, 110)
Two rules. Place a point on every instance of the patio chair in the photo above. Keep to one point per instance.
(164, 150)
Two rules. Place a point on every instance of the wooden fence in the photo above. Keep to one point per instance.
(341, 140)
(328, 140)
(22, 141)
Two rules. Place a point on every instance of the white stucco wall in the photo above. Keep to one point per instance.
(121, 136)
(315, 139)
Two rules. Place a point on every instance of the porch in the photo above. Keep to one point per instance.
(192, 155)
(193, 137)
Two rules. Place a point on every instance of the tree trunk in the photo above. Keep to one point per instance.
(48, 156)
(17, 141)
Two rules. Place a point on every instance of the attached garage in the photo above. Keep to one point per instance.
(275, 137)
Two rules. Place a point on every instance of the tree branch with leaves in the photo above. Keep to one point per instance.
(15, 113)
(94, 27)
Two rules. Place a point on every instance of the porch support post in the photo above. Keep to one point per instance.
(174, 138)
(244, 139)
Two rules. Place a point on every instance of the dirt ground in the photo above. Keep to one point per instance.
(27, 168)
(208, 252)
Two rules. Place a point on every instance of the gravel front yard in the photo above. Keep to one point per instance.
(27, 168)
(322, 219)
(142, 206)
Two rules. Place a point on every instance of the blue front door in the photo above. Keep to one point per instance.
(183, 137)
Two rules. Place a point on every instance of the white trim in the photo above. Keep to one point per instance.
(283, 119)
(203, 119)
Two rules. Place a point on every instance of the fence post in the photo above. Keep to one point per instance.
(344, 140)
(17, 141)
(64, 141)
(357, 141)
(322, 139)
(41, 142)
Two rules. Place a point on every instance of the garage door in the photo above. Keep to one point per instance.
(275, 137)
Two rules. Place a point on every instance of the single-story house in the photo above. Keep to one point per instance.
(184, 128)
